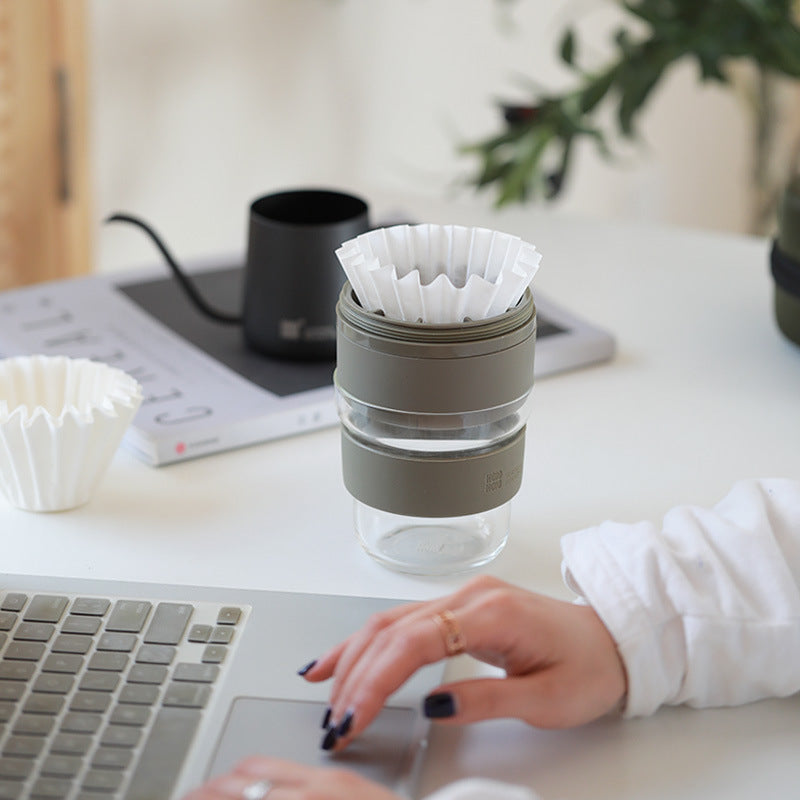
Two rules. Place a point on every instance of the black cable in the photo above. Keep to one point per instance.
(182, 278)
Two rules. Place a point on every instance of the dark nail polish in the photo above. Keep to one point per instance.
(326, 719)
(311, 664)
(329, 740)
(439, 706)
(345, 724)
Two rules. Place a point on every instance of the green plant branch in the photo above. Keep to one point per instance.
(530, 157)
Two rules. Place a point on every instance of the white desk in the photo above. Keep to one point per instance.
(703, 392)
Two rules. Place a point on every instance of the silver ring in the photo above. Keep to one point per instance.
(257, 791)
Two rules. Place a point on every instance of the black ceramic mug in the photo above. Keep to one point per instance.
(292, 277)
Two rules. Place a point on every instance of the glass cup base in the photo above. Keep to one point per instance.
(432, 545)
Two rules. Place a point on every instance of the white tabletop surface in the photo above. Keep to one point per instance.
(703, 391)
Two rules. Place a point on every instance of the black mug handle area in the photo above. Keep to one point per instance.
(183, 279)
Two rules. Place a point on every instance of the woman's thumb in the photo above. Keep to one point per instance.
(480, 698)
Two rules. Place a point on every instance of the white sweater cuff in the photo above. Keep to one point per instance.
(706, 609)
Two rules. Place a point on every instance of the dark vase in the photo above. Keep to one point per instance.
(785, 261)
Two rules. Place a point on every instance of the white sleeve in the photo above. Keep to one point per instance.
(705, 610)
(482, 789)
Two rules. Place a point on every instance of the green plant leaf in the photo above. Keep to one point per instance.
(520, 161)
(567, 48)
(596, 90)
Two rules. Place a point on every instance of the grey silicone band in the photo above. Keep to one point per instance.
(384, 369)
(426, 486)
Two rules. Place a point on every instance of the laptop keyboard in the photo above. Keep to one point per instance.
(100, 697)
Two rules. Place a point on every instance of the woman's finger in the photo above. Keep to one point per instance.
(287, 780)
(339, 659)
(530, 698)
(392, 656)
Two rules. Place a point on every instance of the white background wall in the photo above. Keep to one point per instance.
(201, 105)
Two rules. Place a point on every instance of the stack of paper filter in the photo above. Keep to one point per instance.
(438, 273)
(61, 420)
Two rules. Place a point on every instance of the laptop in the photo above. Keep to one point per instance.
(137, 691)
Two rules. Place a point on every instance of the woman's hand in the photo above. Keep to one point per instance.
(272, 779)
(562, 666)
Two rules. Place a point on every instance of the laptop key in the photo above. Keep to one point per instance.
(117, 642)
(221, 635)
(6, 711)
(16, 670)
(111, 758)
(53, 683)
(90, 701)
(45, 608)
(66, 663)
(85, 626)
(214, 654)
(10, 790)
(99, 682)
(34, 725)
(50, 789)
(90, 606)
(199, 633)
(80, 722)
(155, 654)
(23, 746)
(163, 754)
(34, 631)
(71, 744)
(61, 766)
(43, 704)
(96, 796)
(14, 768)
(24, 651)
(187, 695)
(140, 694)
(102, 779)
(14, 601)
(130, 715)
(70, 643)
(196, 673)
(169, 623)
(11, 690)
(7, 620)
(148, 673)
(229, 615)
(108, 662)
(128, 616)
(120, 736)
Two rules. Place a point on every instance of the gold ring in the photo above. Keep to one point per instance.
(454, 641)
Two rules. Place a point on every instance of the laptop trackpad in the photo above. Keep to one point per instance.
(291, 729)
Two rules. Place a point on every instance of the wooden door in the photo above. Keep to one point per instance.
(44, 187)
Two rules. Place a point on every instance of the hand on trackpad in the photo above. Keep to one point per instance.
(291, 729)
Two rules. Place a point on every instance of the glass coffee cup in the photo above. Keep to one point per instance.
(433, 432)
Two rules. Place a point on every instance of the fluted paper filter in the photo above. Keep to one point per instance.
(438, 273)
(61, 420)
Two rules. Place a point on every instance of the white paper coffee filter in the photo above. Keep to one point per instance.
(61, 420)
(438, 273)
